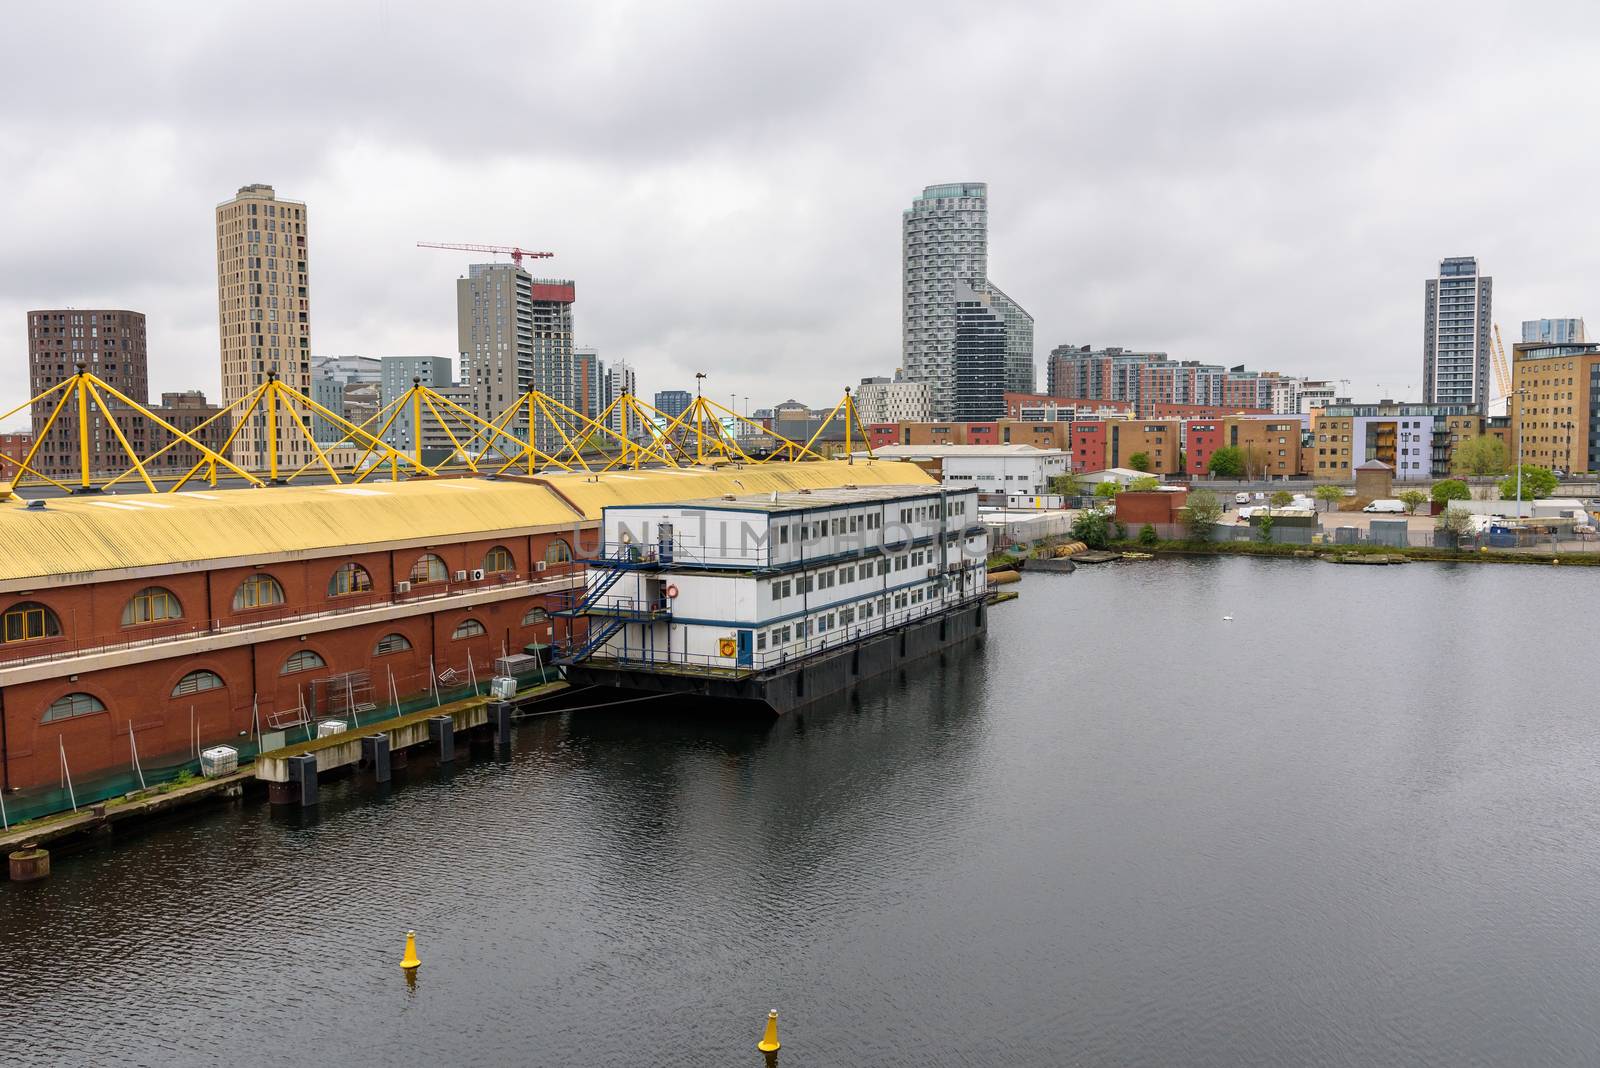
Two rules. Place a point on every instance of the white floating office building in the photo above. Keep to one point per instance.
(780, 598)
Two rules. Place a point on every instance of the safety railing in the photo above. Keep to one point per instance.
(831, 640)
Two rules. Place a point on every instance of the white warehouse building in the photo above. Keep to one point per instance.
(1011, 470)
(741, 585)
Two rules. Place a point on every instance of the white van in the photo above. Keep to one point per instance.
(1386, 506)
(1241, 498)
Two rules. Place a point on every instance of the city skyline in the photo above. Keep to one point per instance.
(1209, 264)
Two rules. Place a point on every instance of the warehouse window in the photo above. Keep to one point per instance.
(535, 616)
(257, 591)
(304, 660)
(428, 568)
(349, 578)
(558, 552)
(73, 704)
(196, 682)
(498, 559)
(28, 620)
(391, 643)
(151, 605)
(467, 628)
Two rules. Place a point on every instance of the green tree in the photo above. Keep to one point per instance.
(1183, 462)
(1536, 482)
(1227, 462)
(1456, 522)
(1093, 528)
(1145, 484)
(1067, 485)
(1281, 499)
(1264, 529)
(1328, 492)
(1139, 461)
(1108, 489)
(1412, 499)
(1451, 489)
(1201, 514)
(1148, 535)
(1481, 456)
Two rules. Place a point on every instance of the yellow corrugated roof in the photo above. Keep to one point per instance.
(73, 535)
(77, 536)
(591, 493)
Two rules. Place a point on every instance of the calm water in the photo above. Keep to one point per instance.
(1356, 825)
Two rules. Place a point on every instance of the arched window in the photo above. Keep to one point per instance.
(428, 568)
(349, 578)
(257, 591)
(304, 660)
(391, 643)
(27, 620)
(151, 605)
(558, 552)
(467, 628)
(74, 704)
(498, 559)
(534, 616)
(197, 682)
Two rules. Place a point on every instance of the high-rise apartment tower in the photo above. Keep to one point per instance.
(263, 312)
(1457, 311)
(945, 244)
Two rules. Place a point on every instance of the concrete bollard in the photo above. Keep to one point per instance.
(29, 864)
(375, 754)
(303, 770)
(442, 733)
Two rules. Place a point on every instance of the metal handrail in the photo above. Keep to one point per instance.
(840, 636)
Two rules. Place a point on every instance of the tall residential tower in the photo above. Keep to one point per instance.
(1457, 311)
(263, 312)
(945, 235)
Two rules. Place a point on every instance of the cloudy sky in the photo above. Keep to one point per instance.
(1264, 183)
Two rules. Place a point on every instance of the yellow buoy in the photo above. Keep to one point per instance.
(410, 961)
(769, 1041)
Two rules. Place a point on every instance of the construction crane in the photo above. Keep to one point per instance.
(515, 253)
(1502, 373)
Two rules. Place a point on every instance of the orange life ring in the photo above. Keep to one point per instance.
(672, 591)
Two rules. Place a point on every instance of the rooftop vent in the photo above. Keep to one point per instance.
(729, 497)
(851, 485)
(35, 504)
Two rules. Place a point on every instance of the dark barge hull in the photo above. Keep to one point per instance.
(801, 682)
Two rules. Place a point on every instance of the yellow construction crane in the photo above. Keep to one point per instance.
(1502, 373)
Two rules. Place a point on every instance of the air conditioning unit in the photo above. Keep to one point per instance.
(477, 574)
(540, 565)
(402, 587)
(461, 576)
(932, 571)
(328, 727)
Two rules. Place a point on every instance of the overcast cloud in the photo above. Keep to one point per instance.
(1261, 183)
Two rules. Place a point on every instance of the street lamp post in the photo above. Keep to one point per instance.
(1519, 394)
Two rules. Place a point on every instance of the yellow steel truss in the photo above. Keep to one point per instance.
(705, 433)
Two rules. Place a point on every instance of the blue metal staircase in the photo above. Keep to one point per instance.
(596, 637)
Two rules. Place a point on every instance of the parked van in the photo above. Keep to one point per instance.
(1386, 506)
(1241, 498)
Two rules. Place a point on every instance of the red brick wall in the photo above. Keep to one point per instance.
(140, 693)
(1157, 506)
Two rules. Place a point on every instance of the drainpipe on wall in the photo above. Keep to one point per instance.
(5, 749)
